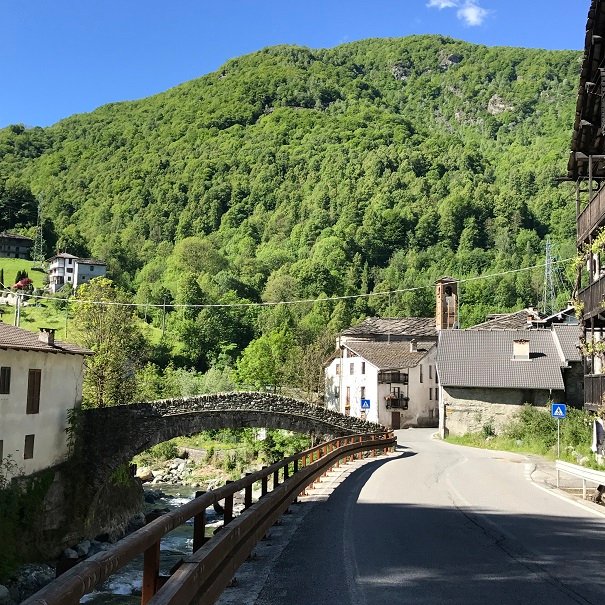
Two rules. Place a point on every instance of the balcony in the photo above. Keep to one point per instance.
(591, 216)
(396, 402)
(594, 389)
(392, 377)
(593, 297)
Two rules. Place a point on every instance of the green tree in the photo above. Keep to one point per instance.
(107, 326)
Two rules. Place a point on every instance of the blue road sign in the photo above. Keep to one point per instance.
(558, 410)
(365, 404)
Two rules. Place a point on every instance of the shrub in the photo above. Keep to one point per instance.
(534, 424)
(164, 451)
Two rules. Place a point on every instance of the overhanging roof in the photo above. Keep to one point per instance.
(588, 137)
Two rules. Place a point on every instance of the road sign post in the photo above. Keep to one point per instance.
(558, 411)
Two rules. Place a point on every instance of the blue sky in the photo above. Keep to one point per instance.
(62, 57)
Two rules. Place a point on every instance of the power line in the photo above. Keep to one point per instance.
(75, 300)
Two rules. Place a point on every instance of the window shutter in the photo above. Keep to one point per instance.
(33, 391)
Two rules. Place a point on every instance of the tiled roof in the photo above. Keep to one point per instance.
(569, 339)
(520, 320)
(90, 261)
(483, 358)
(399, 326)
(16, 338)
(15, 236)
(391, 355)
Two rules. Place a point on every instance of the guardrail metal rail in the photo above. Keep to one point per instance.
(202, 576)
(586, 474)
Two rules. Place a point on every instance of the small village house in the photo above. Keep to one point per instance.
(391, 383)
(487, 376)
(15, 246)
(66, 268)
(40, 381)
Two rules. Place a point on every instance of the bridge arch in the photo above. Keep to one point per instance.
(112, 436)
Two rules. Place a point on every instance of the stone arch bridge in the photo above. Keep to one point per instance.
(112, 436)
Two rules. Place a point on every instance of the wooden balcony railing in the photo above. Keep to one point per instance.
(591, 216)
(593, 297)
(594, 389)
(397, 402)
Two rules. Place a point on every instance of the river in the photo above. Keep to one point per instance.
(124, 587)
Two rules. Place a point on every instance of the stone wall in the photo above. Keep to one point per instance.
(468, 410)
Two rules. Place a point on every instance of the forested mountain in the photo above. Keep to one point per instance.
(298, 173)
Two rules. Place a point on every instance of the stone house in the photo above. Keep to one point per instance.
(40, 381)
(390, 383)
(15, 246)
(66, 268)
(486, 376)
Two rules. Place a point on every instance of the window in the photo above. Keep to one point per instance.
(69, 270)
(351, 368)
(33, 391)
(69, 261)
(337, 392)
(337, 369)
(420, 366)
(430, 393)
(5, 381)
(28, 449)
(363, 367)
(1, 450)
(92, 268)
(430, 372)
(362, 393)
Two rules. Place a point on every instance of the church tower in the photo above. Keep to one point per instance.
(447, 303)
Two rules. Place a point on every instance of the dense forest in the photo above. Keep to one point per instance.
(294, 173)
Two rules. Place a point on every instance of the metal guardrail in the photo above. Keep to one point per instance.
(203, 576)
(586, 474)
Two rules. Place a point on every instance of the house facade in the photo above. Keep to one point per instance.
(66, 268)
(390, 383)
(586, 168)
(487, 376)
(40, 381)
(15, 246)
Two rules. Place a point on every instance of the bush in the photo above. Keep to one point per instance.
(535, 425)
(164, 451)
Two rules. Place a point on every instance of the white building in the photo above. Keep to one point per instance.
(391, 383)
(66, 268)
(40, 381)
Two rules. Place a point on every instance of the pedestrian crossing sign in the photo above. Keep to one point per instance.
(558, 410)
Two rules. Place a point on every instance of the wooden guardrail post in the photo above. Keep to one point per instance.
(263, 484)
(275, 478)
(248, 494)
(286, 471)
(295, 465)
(199, 526)
(151, 573)
(228, 511)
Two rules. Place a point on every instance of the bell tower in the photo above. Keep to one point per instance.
(446, 294)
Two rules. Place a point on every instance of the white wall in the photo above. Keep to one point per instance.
(84, 273)
(60, 390)
(420, 404)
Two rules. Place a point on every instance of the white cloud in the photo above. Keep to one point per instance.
(471, 13)
(468, 11)
(442, 4)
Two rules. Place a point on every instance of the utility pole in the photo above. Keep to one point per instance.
(38, 251)
(18, 311)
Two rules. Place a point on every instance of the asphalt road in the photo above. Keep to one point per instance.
(442, 524)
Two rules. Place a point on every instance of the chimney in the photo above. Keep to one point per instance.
(413, 346)
(47, 336)
(521, 349)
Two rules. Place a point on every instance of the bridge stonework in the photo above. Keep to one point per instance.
(112, 436)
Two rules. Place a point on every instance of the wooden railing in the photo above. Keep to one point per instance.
(592, 215)
(593, 297)
(202, 576)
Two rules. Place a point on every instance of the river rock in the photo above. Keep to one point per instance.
(70, 553)
(83, 548)
(5, 596)
(145, 474)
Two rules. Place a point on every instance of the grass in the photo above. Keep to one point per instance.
(12, 265)
(504, 443)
